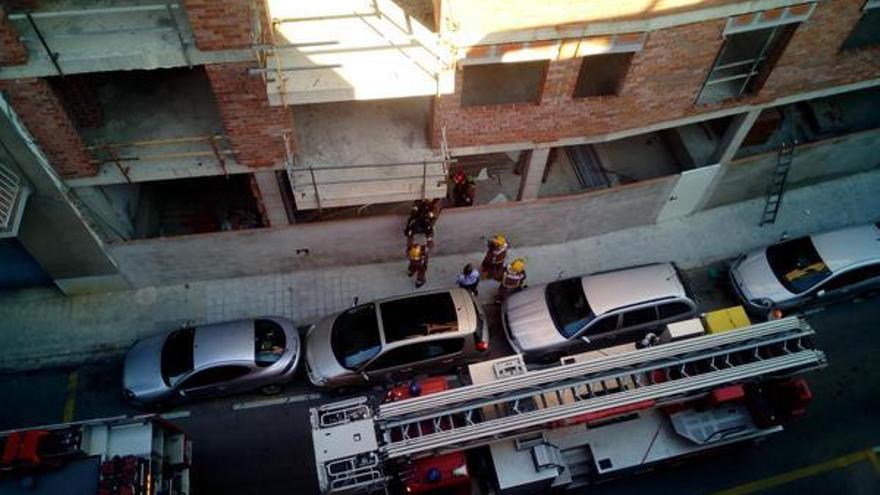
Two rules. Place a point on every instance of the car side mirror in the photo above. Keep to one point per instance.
(365, 376)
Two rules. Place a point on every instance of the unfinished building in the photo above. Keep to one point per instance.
(261, 132)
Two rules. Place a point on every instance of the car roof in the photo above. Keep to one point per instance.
(611, 290)
(223, 342)
(850, 246)
(465, 324)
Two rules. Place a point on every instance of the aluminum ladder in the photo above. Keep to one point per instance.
(784, 158)
(476, 415)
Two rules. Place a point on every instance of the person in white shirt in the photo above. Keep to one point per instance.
(469, 278)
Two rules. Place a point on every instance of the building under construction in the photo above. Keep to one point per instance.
(149, 142)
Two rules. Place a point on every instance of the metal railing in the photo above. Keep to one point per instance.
(214, 146)
(307, 178)
(37, 31)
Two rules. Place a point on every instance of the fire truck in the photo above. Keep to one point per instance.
(590, 417)
(142, 455)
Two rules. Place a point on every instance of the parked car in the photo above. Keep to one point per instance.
(397, 338)
(809, 271)
(213, 359)
(592, 311)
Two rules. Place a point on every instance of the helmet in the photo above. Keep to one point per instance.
(415, 252)
(459, 177)
(518, 265)
(499, 240)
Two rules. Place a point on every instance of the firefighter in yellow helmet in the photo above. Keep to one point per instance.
(513, 280)
(418, 263)
(493, 263)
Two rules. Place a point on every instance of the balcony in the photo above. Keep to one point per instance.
(351, 50)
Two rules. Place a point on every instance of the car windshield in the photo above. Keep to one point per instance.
(418, 316)
(568, 306)
(177, 355)
(797, 265)
(355, 336)
(269, 342)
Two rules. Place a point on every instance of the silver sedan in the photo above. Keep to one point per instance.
(213, 359)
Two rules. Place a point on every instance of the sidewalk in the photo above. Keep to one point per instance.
(40, 327)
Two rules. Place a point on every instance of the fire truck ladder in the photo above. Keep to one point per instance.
(475, 415)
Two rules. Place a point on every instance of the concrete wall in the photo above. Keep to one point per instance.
(52, 229)
(375, 239)
(662, 83)
(823, 160)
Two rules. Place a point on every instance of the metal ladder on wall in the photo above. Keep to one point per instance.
(476, 415)
(776, 188)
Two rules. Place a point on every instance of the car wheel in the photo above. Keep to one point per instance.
(273, 389)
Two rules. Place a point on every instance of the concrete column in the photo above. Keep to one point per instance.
(733, 137)
(270, 191)
(533, 174)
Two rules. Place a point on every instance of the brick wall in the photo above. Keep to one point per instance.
(254, 128)
(221, 24)
(12, 51)
(662, 83)
(43, 114)
(813, 58)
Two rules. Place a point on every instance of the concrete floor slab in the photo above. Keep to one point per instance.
(356, 147)
(353, 50)
(130, 35)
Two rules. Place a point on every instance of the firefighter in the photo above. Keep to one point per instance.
(418, 263)
(493, 263)
(513, 280)
(464, 189)
(421, 220)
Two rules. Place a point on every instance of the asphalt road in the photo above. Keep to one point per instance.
(251, 444)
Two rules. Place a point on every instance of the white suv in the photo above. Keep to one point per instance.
(596, 310)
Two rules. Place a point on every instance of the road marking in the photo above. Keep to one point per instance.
(70, 394)
(841, 462)
(275, 402)
(875, 461)
(175, 415)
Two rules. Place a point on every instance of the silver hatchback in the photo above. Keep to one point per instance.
(397, 338)
(597, 310)
(809, 271)
(213, 359)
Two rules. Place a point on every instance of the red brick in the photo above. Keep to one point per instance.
(799, 10)
(226, 25)
(12, 50)
(255, 128)
(771, 15)
(742, 20)
(662, 83)
(44, 116)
